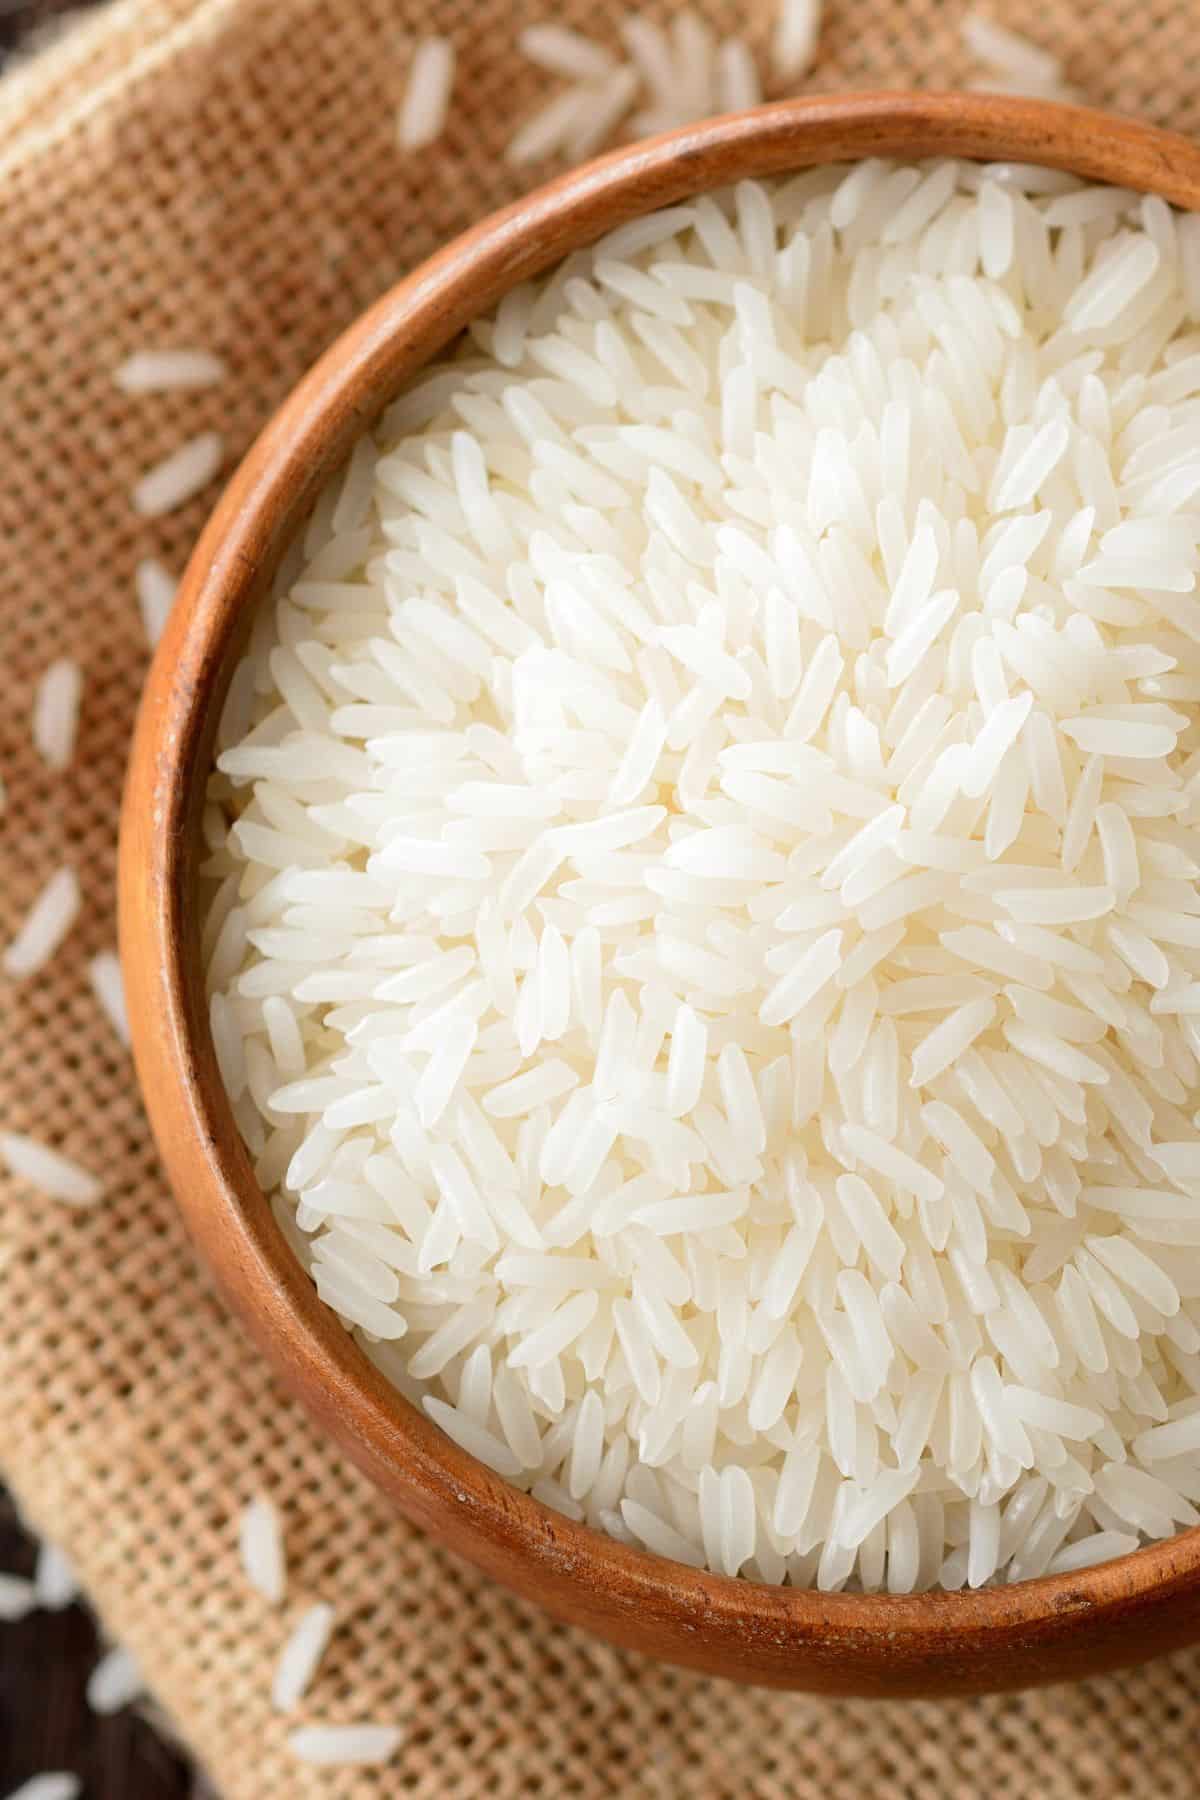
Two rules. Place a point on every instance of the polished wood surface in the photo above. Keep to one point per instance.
(1041, 1631)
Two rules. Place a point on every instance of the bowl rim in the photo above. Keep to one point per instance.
(829, 1638)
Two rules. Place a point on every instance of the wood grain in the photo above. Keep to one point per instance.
(1043, 1631)
(45, 1721)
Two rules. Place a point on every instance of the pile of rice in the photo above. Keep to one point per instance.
(703, 936)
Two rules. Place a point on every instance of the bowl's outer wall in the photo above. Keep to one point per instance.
(1049, 1630)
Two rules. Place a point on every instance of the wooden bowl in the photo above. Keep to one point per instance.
(1039, 1631)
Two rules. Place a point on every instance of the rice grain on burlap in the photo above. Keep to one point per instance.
(223, 173)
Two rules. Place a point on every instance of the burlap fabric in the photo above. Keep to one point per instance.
(223, 173)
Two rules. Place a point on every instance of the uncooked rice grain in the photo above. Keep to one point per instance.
(301, 1656)
(56, 1175)
(650, 52)
(703, 939)
(114, 1682)
(1007, 51)
(162, 371)
(345, 1746)
(602, 106)
(679, 75)
(18, 1598)
(52, 1784)
(426, 102)
(1013, 64)
(104, 971)
(260, 1538)
(180, 476)
(794, 44)
(55, 1580)
(155, 588)
(46, 924)
(562, 51)
(738, 85)
(546, 130)
(56, 712)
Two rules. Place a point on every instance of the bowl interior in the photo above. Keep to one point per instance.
(841, 1642)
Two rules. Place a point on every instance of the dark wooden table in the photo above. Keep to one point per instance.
(45, 1722)
(21, 18)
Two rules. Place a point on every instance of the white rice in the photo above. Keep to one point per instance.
(260, 1537)
(108, 986)
(1007, 52)
(704, 944)
(163, 371)
(155, 589)
(650, 52)
(426, 102)
(546, 130)
(46, 924)
(55, 1580)
(602, 106)
(561, 51)
(114, 1682)
(578, 120)
(49, 1170)
(179, 477)
(1013, 63)
(51, 1785)
(667, 78)
(343, 1746)
(56, 712)
(301, 1656)
(18, 1598)
(797, 32)
(738, 85)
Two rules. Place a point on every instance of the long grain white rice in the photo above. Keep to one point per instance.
(738, 84)
(1008, 52)
(562, 51)
(650, 52)
(18, 1598)
(55, 1580)
(426, 102)
(52, 1784)
(162, 371)
(678, 74)
(794, 43)
(45, 925)
(104, 971)
(155, 589)
(180, 476)
(546, 130)
(56, 712)
(301, 1656)
(48, 1170)
(345, 1746)
(115, 1681)
(704, 940)
(602, 106)
(1013, 64)
(260, 1535)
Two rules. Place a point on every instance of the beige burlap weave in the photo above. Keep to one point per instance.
(223, 173)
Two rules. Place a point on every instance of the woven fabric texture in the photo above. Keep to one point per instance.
(224, 173)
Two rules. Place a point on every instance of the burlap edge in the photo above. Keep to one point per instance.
(77, 77)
